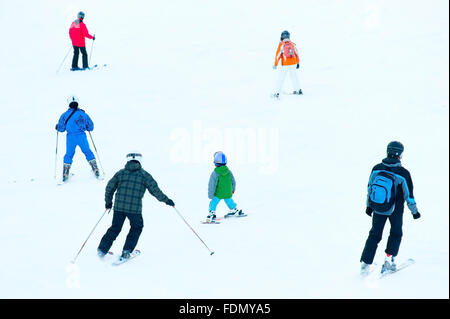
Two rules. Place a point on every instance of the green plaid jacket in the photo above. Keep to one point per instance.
(130, 184)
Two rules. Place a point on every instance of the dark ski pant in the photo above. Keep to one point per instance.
(136, 223)
(376, 232)
(76, 53)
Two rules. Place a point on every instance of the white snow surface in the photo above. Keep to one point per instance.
(187, 78)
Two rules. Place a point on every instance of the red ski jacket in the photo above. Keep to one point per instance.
(78, 31)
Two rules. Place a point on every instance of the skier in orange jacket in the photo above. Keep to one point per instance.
(287, 53)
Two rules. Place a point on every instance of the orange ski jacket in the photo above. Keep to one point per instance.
(284, 59)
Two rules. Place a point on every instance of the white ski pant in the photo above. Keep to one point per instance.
(282, 73)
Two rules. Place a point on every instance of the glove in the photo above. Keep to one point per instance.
(416, 215)
(274, 67)
(93, 38)
(170, 202)
(298, 65)
(369, 211)
(56, 127)
(108, 205)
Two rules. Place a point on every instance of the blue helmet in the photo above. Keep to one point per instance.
(220, 159)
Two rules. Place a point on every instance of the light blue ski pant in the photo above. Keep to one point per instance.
(215, 201)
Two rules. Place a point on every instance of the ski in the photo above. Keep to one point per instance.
(370, 269)
(22, 181)
(403, 265)
(107, 257)
(97, 67)
(235, 216)
(275, 96)
(60, 182)
(121, 260)
(292, 93)
(100, 176)
(210, 222)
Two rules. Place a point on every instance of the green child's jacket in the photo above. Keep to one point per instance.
(221, 183)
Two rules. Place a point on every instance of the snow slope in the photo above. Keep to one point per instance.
(185, 79)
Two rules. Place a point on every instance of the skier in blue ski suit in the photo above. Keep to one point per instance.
(75, 121)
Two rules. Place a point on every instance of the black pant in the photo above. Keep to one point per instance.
(76, 53)
(376, 232)
(136, 223)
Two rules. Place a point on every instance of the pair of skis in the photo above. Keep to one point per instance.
(95, 67)
(61, 182)
(386, 273)
(219, 219)
(119, 260)
(278, 97)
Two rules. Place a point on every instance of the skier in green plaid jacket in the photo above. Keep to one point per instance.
(129, 186)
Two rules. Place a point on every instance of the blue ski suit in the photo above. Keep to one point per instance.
(76, 126)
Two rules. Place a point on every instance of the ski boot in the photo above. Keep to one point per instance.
(94, 167)
(126, 254)
(389, 264)
(235, 213)
(299, 92)
(76, 69)
(66, 169)
(100, 253)
(211, 218)
(364, 269)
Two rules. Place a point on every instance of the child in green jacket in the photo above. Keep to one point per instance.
(222, 186)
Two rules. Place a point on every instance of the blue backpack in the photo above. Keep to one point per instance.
(381, 192)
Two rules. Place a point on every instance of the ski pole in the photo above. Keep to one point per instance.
(63, 60)
(92, 48)
(107, 210)
(56, 153)
(95, 148)
(211, 252)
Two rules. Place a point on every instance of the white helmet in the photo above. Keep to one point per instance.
(134, 156)
(72, 99)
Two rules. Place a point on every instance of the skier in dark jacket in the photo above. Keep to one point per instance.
(403, 188)
(129, 185)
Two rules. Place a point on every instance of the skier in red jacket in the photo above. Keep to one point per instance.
(78, 31)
